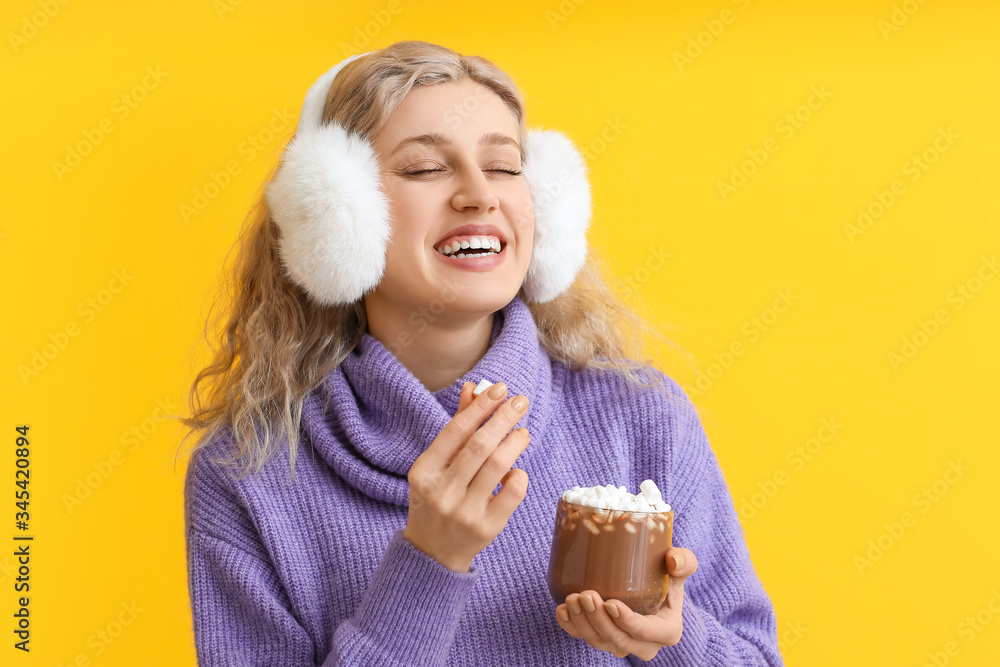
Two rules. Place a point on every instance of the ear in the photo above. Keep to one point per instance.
(327, 201)
(556, 173)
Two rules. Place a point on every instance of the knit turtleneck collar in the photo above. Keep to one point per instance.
(372, 417)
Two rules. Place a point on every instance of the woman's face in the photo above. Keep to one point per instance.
(457, 181)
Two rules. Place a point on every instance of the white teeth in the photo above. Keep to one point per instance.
(473, 242)
(462, 255)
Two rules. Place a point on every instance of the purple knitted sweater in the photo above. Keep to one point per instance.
(316, 571)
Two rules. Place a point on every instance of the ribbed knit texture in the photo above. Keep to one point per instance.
(317, 572)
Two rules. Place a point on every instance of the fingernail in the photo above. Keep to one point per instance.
(563, 615)
(574, 605)
(588, 603)
(520, 403)
(497, 390)
(611, 609)
(678, 561)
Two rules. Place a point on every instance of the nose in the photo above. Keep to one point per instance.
(474, 190)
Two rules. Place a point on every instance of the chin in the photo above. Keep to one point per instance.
(487, 301)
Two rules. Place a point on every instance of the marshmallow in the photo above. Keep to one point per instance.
(650, 491)
(481, 387)
(618, 498)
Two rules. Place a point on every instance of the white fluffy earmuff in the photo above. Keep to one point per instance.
(327, 201)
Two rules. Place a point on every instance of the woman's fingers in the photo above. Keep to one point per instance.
(666, 625)
(616, 630)
(503, 504)
(484, 442)
(457, 432)
(611, 626)
(465, 398)
(589, 620)
(565, 622)
(660, 629)
(580, 606)
(681, 564)
(498, 465)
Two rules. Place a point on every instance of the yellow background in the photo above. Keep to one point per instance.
(672, 130)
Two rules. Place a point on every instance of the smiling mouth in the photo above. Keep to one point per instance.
(474, 246)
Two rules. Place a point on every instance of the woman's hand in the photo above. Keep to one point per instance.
(613, 627)
(453, 513)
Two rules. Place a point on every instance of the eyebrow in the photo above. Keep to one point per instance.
(438, 139)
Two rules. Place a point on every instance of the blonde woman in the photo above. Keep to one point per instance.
(346, 504)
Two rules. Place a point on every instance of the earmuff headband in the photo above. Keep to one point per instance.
(327, 201)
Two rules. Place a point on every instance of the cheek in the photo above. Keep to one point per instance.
(406, 211)
(522, 216)
(399, 200)
(528, 211)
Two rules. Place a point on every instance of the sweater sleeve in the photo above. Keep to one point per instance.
(242, 614)
(728, 617)
(409, 613)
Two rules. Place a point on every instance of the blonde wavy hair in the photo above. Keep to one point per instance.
(275, 345)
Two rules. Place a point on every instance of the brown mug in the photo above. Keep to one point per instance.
(621, 554)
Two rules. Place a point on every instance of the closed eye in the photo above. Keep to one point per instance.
(429, 171)
(421, 171)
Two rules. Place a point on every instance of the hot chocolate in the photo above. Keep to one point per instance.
(620, 553)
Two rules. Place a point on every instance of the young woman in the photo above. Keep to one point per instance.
(349, 501)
